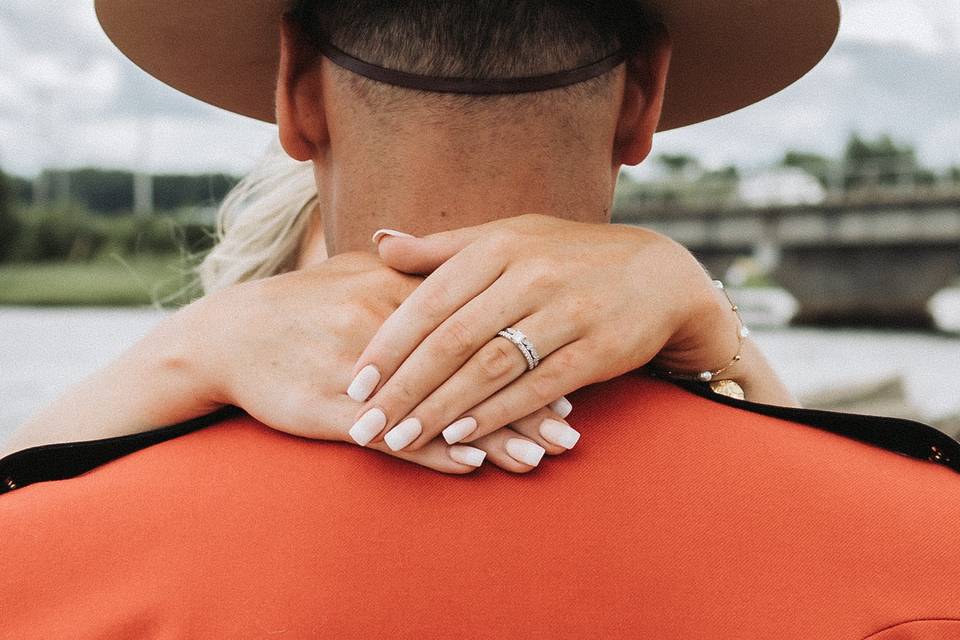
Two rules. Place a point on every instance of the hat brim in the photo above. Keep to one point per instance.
(727, 54)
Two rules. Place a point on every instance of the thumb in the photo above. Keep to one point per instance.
(410, 254)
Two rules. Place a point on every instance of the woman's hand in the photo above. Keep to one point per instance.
(280, 348)
(596, 300)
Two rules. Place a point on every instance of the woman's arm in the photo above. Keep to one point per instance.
(151, 384)
(279, 347)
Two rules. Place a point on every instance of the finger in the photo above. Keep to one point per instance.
(424, 254)
(561, 372)
(456, 282)
(497, 364)
(510, 451)
(456, 459)
(548, 429)
(467, 339)
(311, 416)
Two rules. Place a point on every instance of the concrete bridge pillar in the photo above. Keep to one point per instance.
(886, 284)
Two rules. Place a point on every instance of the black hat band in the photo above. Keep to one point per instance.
(477, 86)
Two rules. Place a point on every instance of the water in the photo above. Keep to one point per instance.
(42, 351)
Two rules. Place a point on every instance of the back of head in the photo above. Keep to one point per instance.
(482, 39)
(552, 131)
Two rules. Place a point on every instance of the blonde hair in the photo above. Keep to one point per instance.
(262, 222)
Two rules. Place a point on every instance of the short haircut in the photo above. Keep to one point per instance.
(486, 39)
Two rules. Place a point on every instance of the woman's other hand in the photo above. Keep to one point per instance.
(281, 348)
(596, 300)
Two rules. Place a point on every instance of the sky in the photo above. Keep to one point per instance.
(69, 99)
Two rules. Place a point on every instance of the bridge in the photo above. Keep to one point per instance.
(868, 263)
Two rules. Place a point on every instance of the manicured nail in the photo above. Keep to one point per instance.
(369, 425)
(364, 384)
(470, 456)
(459, 430)
(559, 433)
(561, 406)
(529, 453)
(403, 434)
(379, 233)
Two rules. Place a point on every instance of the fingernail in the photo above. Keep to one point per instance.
(364, 383)
(559, 433)
(529, 453)
(470, 456)
(561, 406)
(369, 425)
(403, 434)
(459, 430)
(379, 233)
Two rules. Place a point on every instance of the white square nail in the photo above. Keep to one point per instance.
(529, 453)
(459, 430)
(470, 456)
(368, 426)
(403, 434)
(379, 233)
(559, 433)
(561, 406)
(364, 383)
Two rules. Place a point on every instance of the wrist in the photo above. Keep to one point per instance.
(710, 338)
(184, 356)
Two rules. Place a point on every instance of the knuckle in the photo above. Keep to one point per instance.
(455, 340)
(540, 273)
(503, 241)
(397, 395)
(563, 360)
(543, 387)
(497, 360)
(348, 318)
(433, 303)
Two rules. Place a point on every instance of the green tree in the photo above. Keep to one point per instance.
(9, 224)
(813, 163)
(176, 191)
(881, 160)
(677, 163)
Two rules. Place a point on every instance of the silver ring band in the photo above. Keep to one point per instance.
(522, 343)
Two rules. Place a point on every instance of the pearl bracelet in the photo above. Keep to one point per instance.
(742, 333)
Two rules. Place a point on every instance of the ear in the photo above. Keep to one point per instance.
(300, 110)
(646, 78)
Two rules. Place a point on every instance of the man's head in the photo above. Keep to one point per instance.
(574, 137)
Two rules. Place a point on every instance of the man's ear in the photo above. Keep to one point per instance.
(646, 78)
(300, 110)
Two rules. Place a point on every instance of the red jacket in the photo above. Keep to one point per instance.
(676, 517)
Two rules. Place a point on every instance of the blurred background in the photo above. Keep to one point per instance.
(832, 209)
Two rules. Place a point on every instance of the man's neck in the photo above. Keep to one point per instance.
(428, 188)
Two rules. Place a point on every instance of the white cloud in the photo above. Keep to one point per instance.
(929, 26)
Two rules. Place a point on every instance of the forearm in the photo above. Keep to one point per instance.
(151, 384)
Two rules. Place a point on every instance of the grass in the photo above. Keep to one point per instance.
(107, 281)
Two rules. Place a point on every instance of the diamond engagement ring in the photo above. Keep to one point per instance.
(522, 343)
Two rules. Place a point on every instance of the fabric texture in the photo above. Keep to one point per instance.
(674, 517)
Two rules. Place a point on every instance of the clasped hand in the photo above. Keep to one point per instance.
(596, 300)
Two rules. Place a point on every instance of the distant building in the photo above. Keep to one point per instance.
(781, 186)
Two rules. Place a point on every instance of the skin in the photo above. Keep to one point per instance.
(285, 348)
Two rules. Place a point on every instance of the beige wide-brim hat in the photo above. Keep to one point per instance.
(727, 54)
